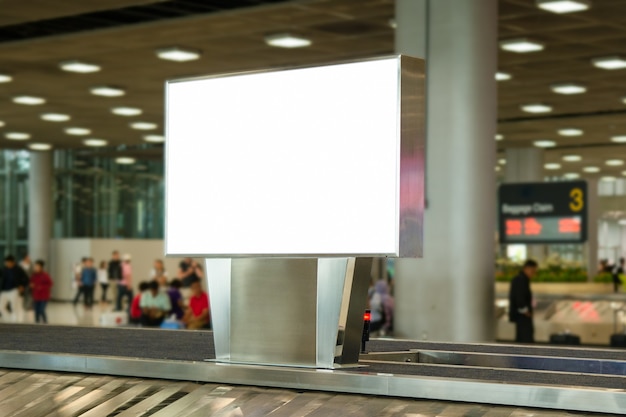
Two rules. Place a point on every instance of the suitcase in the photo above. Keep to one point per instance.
(565, 339)
(618, 340)
(114, 318)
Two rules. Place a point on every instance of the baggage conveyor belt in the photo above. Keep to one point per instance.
(534, 376)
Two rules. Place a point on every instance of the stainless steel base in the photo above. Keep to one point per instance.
(554, 397)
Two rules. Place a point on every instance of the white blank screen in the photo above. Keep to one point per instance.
(298, 162)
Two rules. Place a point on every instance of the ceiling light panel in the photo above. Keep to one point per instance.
(536, 108)
(77, 131)
(154, 138)
(55, 117)
(287, 40)
(572, 158)
(17, 135)
(126, 111)
(552, 166)
(564, 6)
(544, 143)
(609, 63)
(29, 100)
(177, 54)
(571, 176)
(619, 139)
(614, 162)
(568, 88)
(608, 179)
(570, 131)
(499, 136)
(503, 76)
(143, 125)
(591, 170)
(107, 91)
(5, 78)
(521, 46)
(79, 67)
(125, 160)
(2, 124)
(39, 146)
(95, 142)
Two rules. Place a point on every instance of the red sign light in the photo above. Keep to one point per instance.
(513, 227)
(569, 226)
(532, 226)
(367, 316)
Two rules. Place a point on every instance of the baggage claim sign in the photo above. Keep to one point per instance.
(546, 212)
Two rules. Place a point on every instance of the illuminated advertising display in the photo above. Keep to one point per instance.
(543, 212)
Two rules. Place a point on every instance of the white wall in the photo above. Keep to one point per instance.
(67, 252)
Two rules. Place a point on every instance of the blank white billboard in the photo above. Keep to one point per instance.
(302, 162)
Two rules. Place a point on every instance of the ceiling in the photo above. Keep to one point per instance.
(122, 35)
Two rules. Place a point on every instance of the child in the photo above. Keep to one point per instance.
(135, 306)
(40, 284)
(103, 280)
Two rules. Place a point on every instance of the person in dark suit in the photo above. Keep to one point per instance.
(521, 303)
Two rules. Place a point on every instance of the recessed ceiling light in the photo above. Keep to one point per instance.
(572, 158)
(286, 40)
(608, 179)
(154, 138)
(570, 132)
(591, 170)
(40, 146)
(17, 135)
(125, 160)
(126, 111)
(564, 6)
(499, 136)
(79, 66)
(571, 176)
(55, 117)
(29, 100)
(497, 168)
(544, 143)
(614, 162)
(609, 63)
(502, 161)
(107, 91)
(503, 76)
(393, 24)
(143, 125)
(177, 54)
(568, 88)
(5, 78)
(77, 131)
(536, 108)
(618, 139)
(2, 123)
(520, 45)
(552, 166)
(95, 142)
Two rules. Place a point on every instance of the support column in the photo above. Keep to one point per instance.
(449, 294)
(40, 205)
(593, 216)
(526, 165)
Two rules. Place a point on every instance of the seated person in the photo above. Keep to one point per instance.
(135, 309)
(198, 315)
(176, 298)
(154, 305)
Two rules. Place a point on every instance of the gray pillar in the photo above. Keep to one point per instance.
(593, 216)
(448, 295)
(40, 205)
(526, 165)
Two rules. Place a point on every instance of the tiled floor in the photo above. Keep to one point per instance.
(35, 394)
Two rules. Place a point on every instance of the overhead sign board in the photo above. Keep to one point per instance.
(546, 212)
(320, 161)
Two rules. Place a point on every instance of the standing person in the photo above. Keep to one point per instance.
(40, 284)
(103, 280)
(617, 272)
(189, 271)
(14, 280)
(88, 278)
(198, 316)
(27, 266)
(159, 274)
(78, 271)
(125, 285)
(521, 303)
(115, 272)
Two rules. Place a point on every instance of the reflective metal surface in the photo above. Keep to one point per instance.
(468, 391)
(288, 311)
